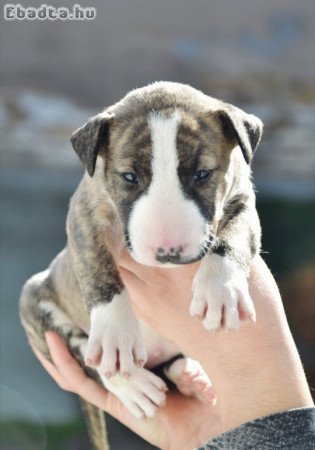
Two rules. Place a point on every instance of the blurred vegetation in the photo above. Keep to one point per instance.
(288, 247)
(287, 233)
(21, 435)
(71, 435)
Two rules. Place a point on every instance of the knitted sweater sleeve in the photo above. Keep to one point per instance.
(290, 430)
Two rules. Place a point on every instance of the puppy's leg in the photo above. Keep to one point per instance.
(39, 313)
(220, 289)
(190, 379)
(115, 342)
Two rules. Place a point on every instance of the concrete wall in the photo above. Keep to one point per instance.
(131, 43)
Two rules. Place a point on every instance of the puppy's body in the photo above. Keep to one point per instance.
(167, 178)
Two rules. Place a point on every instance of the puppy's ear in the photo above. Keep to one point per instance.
(92, 137)
(245, 129)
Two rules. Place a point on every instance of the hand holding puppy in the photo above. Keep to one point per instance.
(252, 376)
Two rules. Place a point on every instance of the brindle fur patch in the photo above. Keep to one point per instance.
(118, 140)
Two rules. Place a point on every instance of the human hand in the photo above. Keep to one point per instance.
(183, 423)
(255, 371)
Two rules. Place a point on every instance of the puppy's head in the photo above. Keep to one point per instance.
(169, 166)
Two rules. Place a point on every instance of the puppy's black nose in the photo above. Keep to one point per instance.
(172, 254)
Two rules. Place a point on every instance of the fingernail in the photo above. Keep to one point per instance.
(108, 374)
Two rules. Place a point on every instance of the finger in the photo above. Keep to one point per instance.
(66, 364)
(129, 277)
(58, 350)
(51, 369)
(70, 371)
(133, 271)
(84, 386)
(66, 368)
(127, 262)
(94, 393)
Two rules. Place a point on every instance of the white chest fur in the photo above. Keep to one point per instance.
(158, 349)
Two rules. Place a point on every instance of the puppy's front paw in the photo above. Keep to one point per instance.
(115, 341)
(220, 295)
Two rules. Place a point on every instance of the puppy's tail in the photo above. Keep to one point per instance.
(95, 419)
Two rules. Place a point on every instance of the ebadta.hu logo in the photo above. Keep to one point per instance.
(47, 12)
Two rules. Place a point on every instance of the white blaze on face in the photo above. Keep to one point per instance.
(163, 217)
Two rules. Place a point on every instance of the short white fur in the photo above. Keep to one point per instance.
(163, 217)
(142, 393)
(115, 331)
(220, 290)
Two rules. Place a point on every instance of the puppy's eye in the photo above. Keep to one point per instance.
(130, 177)
(202, 175)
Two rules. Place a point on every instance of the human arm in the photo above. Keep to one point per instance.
(256, 371)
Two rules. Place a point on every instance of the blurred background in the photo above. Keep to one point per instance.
(55, 74)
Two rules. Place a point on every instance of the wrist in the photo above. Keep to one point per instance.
(257, 371)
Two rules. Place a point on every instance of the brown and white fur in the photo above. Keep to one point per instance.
(168, 178)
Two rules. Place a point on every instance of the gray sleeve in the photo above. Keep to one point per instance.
(290, 430)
